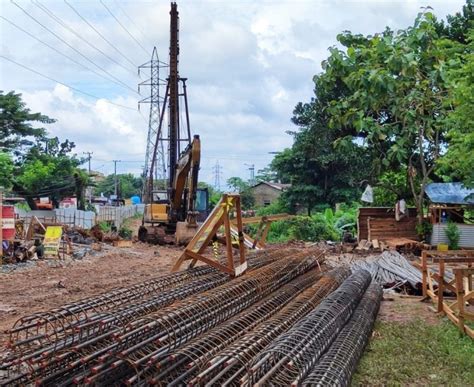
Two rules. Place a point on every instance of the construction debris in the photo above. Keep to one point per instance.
(390, 269)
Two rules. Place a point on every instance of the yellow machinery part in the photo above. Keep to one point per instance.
(156, 213)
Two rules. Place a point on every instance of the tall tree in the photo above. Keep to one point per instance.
(17, 123)
(6, 170)
(397, 93)
(458, 162)
(48, 170)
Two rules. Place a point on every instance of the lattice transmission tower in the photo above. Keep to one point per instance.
(155, 158)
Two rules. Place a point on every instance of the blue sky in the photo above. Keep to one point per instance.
(248, 63)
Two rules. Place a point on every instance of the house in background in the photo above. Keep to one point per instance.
(451, 202)
(265, 193)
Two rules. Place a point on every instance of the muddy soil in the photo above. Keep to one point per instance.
(51, 284)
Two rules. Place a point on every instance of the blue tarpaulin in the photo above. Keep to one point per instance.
(450, 193)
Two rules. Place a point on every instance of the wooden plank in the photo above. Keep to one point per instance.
(123, 243)
(441, 286)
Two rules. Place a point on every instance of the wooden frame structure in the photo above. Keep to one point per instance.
(220, 216)
(433, 267)
(264, 223)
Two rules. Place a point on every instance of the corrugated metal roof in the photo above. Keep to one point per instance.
(449, 193)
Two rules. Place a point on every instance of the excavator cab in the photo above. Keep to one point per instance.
(157, 211)
(202, 204)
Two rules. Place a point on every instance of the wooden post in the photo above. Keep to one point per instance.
(424, 272)
(228, 236)
(440, 285)
(369, 237)
(238, 210)
(460, 298)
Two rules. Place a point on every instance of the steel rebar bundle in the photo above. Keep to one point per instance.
(124, 341)
(149, 340)
(289, 358)
(390, 268)
(195, 355)
(36, 341)
(232, 363)
(338, 364)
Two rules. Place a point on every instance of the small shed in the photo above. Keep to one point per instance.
(266, 192)
(380, 223)
(451, 202)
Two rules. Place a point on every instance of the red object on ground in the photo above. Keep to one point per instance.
(8, 221)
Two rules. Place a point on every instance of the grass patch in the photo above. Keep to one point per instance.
(417, 353)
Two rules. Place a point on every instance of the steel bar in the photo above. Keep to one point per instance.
(338, 364)
(103, 339)
(232, 363)
(197, 353)
(289, 357)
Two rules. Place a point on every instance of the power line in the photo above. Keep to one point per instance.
(124, 28)
(58, 20)
(99, 33)
(53, 48)
(117, 81)
(132, 22)
(65, 84)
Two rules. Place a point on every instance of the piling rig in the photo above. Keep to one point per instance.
(171, 214)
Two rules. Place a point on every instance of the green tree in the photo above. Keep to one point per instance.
(458, 162)
(52, 173)
(16, 123)
(6, 170)
(43, 166)
(266, 174)
(214, 195)
(242, 187)
(128, 185)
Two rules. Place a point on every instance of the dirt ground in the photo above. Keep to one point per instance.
(401, 308)
(44, 286)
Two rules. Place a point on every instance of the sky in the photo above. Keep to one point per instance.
(248, 64)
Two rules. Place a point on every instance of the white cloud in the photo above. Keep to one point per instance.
(248, 64)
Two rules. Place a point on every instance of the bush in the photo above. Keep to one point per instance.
(324, 225)
(105, 226)
(125, 232)
(453, 235)
(313, 229)
(277, 207)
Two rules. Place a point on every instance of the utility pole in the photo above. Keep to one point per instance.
(217, 176)
(89, 156)
(252, 173)
(115, 178)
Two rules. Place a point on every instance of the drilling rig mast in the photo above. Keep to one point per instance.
(182, 201)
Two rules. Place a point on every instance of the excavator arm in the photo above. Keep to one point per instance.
(186, 176)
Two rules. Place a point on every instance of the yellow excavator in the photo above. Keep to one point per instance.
(172, 214)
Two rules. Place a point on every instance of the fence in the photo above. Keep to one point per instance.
(82, 219)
